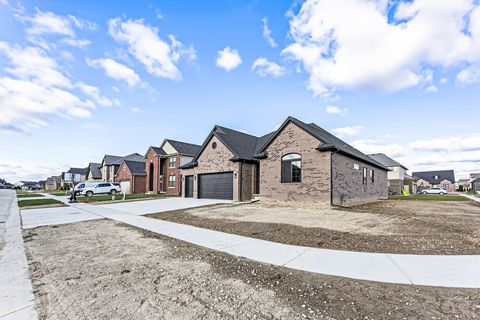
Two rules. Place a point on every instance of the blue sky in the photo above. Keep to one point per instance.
(82, 79)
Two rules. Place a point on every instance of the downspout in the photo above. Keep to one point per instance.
(240, 177)
(331, 176)
(133, 183)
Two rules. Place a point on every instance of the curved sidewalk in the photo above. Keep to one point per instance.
(427, 270)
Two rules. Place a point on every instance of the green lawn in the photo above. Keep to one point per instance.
(29, 195)
(37, 202)
(58, 193)
(433, 197)
(119, 197)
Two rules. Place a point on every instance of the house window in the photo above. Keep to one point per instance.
(172, 162)
(171, 181)
(372, 175)
(364, 178)
(291, 168)
(445, 186)
(214, 145)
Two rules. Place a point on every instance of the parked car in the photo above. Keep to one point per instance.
(80, 186)
(100, 188)
(434, 190)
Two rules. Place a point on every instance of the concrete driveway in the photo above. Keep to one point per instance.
(32, 218)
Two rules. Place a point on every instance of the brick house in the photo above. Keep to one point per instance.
(132, 176)
(297, 162)
(398, 178)
(442, 178)
(162, 166)
(110, 165)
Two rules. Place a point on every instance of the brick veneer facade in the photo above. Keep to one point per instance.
(160, 185)
(425, 184)
(315, 181)
(137, 182)
(325, 177)
(347, 181)
(218, 160)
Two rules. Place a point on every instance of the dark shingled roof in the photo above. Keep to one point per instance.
(429, 176)
(132, 156)
(94, 169)
(386, 160)
(158, 151)
(246, 147)
(184, 148)
(136, 167)
(328, 142)
(78, 170)
(109, 160)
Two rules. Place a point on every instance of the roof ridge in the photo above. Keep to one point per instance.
(193, 144)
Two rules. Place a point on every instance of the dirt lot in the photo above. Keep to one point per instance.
(104, 270)
(419, 227)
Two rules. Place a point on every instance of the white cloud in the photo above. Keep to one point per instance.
(94, 93)
(460, 153)
(267, 33)
(158, 57)
(336, 110)
(431, 89)
(135, 110)
(264, 67)
(48, 23)
(228, 59)
(347, 131)
(362, 48)
(34, 87)
(443, 80)
(115, 70)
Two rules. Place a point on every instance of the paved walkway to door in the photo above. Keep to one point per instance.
(428, 270)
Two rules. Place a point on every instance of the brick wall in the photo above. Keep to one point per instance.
(151, 158)
(167, 171)
(315, 181)
(347, 180)
(214, 160)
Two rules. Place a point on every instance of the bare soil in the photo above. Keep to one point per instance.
(419, 227)
(105, 270)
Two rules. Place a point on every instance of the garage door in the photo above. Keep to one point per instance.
(216, 186)
(125, 186)
(188, 186)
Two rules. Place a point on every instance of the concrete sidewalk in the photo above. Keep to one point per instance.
(476, 199)
(428, 270)
(16, 297)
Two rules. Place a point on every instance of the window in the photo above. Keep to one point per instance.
(171, 181)
(214, 145)
(445, 186)
(172, 162)
(291, 168)
(364, 179)
(372, 176)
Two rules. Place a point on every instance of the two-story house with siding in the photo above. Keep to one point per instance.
(398, 178)
(110, 165)
(162, 165)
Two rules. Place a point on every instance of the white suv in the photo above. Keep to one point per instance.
(100, 188)
(434, 190)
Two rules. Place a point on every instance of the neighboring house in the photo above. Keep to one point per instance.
(297, 162)
(94, 172)
(443, 179)
(110, 165)
(74, 176)
(398, 179)
(132, 176)
(472, 177)
(162, 165)
(2, 184)
(476, 185)
(463, 184)
(53, 183)
(26, 185)
(41, 184)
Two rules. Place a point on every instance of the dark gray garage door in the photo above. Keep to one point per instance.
(188, 186)
(216, 186)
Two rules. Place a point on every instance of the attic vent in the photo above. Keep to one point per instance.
(435, 177)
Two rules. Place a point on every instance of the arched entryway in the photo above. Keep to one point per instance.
(150, 178)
